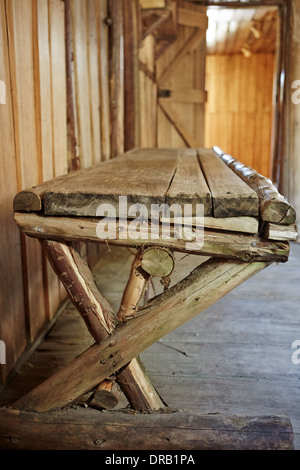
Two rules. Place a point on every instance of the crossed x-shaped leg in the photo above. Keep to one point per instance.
(119, 339)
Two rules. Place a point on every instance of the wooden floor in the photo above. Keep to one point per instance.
(235, 358)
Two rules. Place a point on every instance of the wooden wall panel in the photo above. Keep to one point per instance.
(82, 83)
(33, 145)
(102, 10)
(12, 310)
(190, 74)
(117, 102)
(148, 93)
(93, 23)
(58, 87)
(238, 115)
(48, 135)
(29, 161)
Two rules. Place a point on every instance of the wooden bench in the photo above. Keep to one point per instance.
(247, 226)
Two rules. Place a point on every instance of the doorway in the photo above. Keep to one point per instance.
(241, 77)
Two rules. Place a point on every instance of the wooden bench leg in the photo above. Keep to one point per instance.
(100, 319)
(133, 379)
(165, 312)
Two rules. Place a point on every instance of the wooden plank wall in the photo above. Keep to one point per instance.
(148, 93)
(238, 116)
(33, 142)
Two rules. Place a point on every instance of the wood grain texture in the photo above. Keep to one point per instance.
(231, 196)
(280, 232)
(189, 46)
(102, 12)
(69, 429)
(19, 18)
(58, 86)
(80, 285)
(12, 309)
(116, 12)
(181, 121)
(180, 180)
(105, 183)
(238, 112)
(216, 243)
(49, 127)
(188, 184)
(148, 93)
(131, 75)
(231, 224)
(82, 82)
(93, 46)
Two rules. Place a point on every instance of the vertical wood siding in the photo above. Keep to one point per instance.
(239, 107)
(33, 142)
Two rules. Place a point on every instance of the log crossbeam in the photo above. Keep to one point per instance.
(161, 315)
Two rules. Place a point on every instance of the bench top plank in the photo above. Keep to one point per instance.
(188, 185)
(231, 196)
(147, 176)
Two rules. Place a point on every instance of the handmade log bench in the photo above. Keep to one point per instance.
(245, 225)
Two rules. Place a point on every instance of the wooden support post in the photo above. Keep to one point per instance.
(133, 380)
(165, 312)
(99, 317)
(117, 76)
(131, 75)
(135, 288)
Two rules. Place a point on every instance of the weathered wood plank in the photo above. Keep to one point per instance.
(188, 184)
(175, 119)
(220, 244)
(66, 430)
(231, 224)
(280, 232)
(231, 196)
(102, 14)
(192, 18)
(133, 175)
(189, 46)
(58, 86)
(116, 12)
(12, 323)
(131, 75)
(203, 287)
(185, 95)
(272, 205)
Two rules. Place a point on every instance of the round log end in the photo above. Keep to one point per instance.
(27, 201)
(157, 261)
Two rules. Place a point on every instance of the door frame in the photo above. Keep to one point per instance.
(278, 132)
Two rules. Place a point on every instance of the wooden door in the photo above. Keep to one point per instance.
(180, 75)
